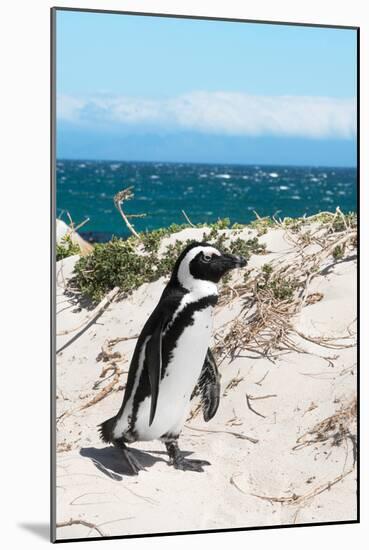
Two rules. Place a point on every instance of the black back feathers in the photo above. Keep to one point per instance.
(153, 360)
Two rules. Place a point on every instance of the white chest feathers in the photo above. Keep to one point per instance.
(181, 375)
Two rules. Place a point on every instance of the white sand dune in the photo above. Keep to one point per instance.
(258, 480)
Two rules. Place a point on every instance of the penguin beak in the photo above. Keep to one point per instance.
(232, 261)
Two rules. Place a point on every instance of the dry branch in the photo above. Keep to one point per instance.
(232, 482)
(250, 407)
(251, 398)
(104, 392)
(236, 434)
(80, 522)
(259, 382)
(187, 219)
(119, 198)
(299, 499)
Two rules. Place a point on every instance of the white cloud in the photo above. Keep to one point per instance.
(220, 113)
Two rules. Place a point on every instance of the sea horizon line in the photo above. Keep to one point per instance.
(204, 163)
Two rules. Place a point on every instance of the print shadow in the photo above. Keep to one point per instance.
(111, 461)
(42, 530)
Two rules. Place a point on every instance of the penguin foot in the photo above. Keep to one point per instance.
(179, 462)
(190, 465)
(131, 460)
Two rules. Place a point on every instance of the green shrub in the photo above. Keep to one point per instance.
(262, 225)
(111, 264)
(338, 252)
(130, 263)
(66, 248)
(126, 264)
(282, 288)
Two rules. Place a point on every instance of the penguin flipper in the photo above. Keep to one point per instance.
(153, 359)
(209, 385)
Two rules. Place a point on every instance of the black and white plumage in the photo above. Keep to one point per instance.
(172, 356)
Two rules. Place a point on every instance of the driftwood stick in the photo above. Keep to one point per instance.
(298, 499)
(123, 195)
(236, 434)
(262, 396)
(103, 393)
(262, 379)
(187, 219)
(251, 409)
(80, 522)
(81, 224)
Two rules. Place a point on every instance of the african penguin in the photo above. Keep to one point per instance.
(172, 357)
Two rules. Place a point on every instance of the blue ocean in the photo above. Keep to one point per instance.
(206, 192)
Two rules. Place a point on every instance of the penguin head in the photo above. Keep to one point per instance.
(203, 262)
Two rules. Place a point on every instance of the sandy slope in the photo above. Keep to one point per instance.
(303, 389)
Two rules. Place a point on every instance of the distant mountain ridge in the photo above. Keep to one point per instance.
(76, 142)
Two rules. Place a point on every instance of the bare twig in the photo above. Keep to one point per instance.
(116, 520)
(81, 224)
(125, 195)
(251, 409)
(232, 482)
(236, 434)
(187, 219)
(233, 383)
(80, 522)
(262, 396)
(251, 398)
(298, 499)
(72, 228)
(262, 379)
(74, 503)
(104, 392)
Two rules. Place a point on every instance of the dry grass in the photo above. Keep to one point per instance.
(304, 497)
(109, 378)
(271, 297)
(336, 428)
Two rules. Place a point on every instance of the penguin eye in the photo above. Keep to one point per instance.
(206, 258)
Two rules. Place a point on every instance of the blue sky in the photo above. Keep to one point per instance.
(140, 87)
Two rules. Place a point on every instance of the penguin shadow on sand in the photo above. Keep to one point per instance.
(111, 461)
